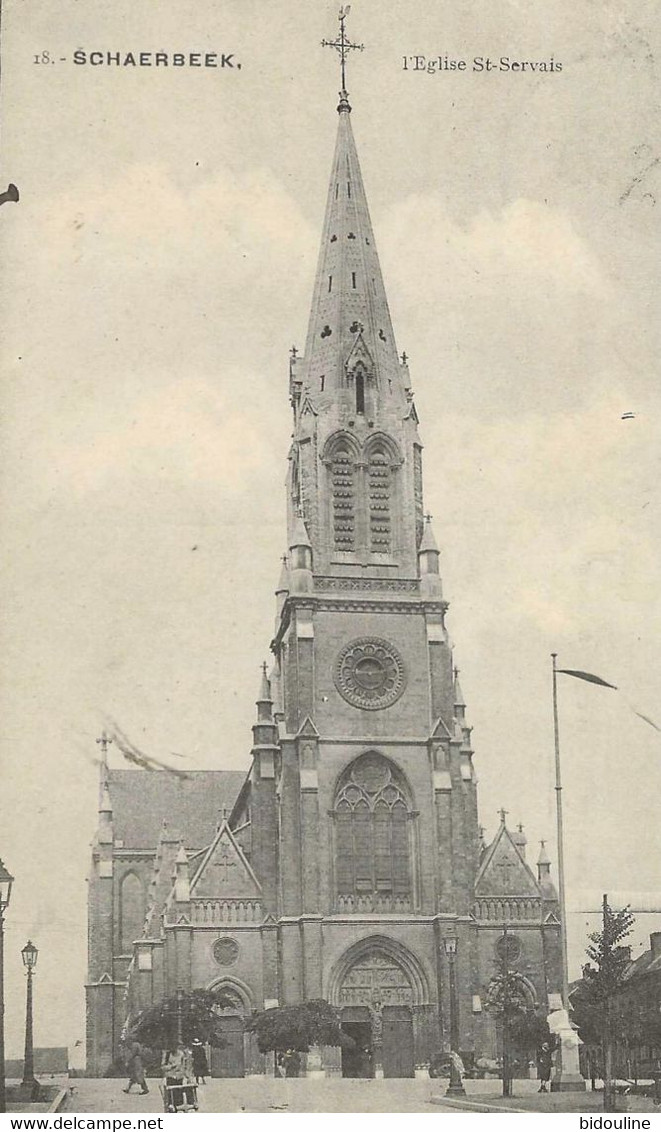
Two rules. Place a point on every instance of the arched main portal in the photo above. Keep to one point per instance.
(377, 984)
(230, 1059)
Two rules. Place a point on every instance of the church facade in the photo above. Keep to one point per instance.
(347, 863)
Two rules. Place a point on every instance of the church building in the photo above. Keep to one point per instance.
(347, 863)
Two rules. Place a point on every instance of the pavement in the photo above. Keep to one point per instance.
(266, 1094)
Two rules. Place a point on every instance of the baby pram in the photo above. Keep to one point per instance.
(179, 1095)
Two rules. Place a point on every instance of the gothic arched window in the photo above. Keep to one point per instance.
(379, 476)
(360, 389)
(132, 911)
(372, 849)
(343, 493)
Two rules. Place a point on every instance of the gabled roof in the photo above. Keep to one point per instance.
(441, 730)
(503, 871)
(224, 872)
(141, 799)
(645, 964)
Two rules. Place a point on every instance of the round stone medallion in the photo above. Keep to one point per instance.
(369, 673)
(225, 951)
(508, 948)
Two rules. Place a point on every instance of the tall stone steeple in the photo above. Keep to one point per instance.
(361, 650)
(355, 461)
(350, 320)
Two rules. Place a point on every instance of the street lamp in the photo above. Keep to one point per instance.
(6, 881)
(455, 1088)
(29, 1084)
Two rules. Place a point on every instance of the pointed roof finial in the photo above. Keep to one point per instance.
(543, 858)
(343, 46)
(300, 534)
(459, 700)
(428, 542)
(503, 815)
(265, 687)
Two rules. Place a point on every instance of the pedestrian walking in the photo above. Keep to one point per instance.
(544, 1063)
(136, 1069)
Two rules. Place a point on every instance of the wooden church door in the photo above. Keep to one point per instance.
(229, 1060)
(398, 1055)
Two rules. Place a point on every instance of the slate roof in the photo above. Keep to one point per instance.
(646, 964)
(141, 799)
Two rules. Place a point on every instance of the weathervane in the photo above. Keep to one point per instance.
(343, 46)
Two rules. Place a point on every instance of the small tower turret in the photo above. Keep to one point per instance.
(181, 876)
(105, 832)
(265, 735)
(520, 840)
(282, 590)
(543, 863)
(301, 559)
(544, 874)
(428, 564)
(459, 701)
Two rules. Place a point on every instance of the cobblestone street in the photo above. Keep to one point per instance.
(264, 1094)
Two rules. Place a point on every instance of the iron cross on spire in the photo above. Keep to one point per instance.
(104, 741)
(343, 46)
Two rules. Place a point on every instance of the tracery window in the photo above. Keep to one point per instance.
(372, 851)
(379, 493)
(344, 504)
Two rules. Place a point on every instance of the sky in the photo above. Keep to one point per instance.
(155, 274)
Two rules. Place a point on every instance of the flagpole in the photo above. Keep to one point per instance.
(561, 852)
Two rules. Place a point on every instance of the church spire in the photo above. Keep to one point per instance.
(350, 350)
(355, 472)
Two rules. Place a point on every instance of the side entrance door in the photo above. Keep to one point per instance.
(398, 1054)
(357, 1060)
(229, 1061)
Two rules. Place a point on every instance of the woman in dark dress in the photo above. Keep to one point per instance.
(544, 1064)
(200, 1064)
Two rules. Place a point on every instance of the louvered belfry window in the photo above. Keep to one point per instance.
(380, 523)
(372, 855)
(344, 504)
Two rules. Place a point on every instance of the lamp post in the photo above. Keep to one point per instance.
(180, 1002)
(6, 881)
(455, 1088)
(29, 1084)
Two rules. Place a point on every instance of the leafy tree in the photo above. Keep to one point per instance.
(609, 958)
(593, 1001)
(603, 975)
(298, 1027)
(189, 1015)
(506, 1000)
(506, 997)
(530, 1029)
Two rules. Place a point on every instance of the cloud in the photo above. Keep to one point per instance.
(186, 431)
(528, 241)
(146, 210)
